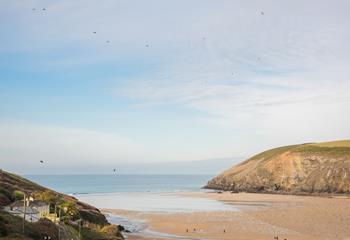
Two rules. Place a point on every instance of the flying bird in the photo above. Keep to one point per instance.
(94, 32)
(44, 9)
(33, 9)
(41, 161)
(114, 170)
(107, 41)
(262, 13)
(147, 45)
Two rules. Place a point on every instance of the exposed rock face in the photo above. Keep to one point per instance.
(305, 168)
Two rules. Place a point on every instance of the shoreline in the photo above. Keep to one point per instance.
(306, 194)
(260, 216)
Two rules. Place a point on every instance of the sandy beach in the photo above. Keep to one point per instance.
(259, 216)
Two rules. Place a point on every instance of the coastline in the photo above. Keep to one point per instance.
(260, 216)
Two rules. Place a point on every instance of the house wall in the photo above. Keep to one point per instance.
(33, 214)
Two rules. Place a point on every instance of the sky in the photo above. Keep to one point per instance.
(86, 85)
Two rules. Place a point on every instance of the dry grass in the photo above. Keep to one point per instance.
(342, 143)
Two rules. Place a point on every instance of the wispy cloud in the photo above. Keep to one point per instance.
(252, 64)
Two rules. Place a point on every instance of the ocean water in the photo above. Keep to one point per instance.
(154, 202)
(93, 184)
(156, 193)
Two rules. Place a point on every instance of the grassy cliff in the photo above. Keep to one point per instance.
(304, 168)
(12, 187)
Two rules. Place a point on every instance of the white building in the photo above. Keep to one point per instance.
(34, 210)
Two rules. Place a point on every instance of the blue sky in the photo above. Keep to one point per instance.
(165, 81)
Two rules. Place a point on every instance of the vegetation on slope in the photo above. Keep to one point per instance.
(12, 187)
(11, 228)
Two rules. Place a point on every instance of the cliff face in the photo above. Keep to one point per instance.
(305, 168)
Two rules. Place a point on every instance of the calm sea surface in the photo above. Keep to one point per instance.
(87, 184)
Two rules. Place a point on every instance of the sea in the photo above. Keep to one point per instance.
(92, 184)
(146, 193)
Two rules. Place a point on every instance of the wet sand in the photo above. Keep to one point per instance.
(260, 216)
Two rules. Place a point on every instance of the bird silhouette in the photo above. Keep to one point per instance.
(147, 45)
(33, 9)
(262, 13)
(41, 161)
(94, 32)
(107, 42)
(44, 9)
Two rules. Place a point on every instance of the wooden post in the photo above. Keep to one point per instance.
(59, 224)
(55, 213)
(24, 212)
(79, 229)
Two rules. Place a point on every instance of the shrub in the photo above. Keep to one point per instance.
(7, 193)
(4, 200)
(71, 212)
(18, 195)
(93, 217)
(110, 229)
(48, 197)
(3, 229)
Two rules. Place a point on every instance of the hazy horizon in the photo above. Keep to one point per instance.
(201, 167)
(86, 86)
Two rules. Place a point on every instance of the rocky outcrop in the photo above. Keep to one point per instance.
(305, 168)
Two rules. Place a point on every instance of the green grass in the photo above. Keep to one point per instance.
(341, 143)
(272, 153)
(335, 148)
(327, 151)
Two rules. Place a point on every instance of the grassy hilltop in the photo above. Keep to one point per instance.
(12, 187)
(304, 168)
